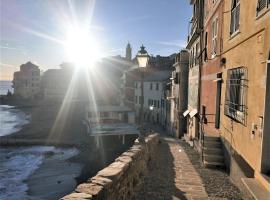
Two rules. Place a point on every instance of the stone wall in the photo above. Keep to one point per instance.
(118, 180)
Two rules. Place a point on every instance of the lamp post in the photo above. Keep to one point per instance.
(142, 58)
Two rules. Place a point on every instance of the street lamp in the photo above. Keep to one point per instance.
(142, 58)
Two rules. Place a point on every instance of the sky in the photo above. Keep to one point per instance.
(34, 30)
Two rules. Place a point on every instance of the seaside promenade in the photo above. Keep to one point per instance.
(176, 173)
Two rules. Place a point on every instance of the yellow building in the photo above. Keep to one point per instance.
(245, 100)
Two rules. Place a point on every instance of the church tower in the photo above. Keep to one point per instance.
(128, 52)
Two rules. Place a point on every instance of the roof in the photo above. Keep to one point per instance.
(158, 76)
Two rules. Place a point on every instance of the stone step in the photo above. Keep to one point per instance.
(213, 164)
(215, 151)
(256, 189)
(211, 138)
(213, 158)
(212, 144)
(263, 179)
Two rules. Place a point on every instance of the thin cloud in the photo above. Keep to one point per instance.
(7, 65)
(7, 47)
(174, 43)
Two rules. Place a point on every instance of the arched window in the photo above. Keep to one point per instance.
(235, 16)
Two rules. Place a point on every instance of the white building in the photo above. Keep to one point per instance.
(154, 84)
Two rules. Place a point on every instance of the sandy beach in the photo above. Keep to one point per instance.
(53, 179)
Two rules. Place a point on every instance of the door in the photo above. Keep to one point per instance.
(218, 99)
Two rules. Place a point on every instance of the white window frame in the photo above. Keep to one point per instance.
(233, 26)
(214, 37)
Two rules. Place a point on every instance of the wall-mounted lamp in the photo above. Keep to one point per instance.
(223, 61)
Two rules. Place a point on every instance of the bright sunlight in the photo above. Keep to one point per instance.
(81, 46)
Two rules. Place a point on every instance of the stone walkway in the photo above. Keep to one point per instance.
(176, 173)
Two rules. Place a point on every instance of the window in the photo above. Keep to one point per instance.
(136, 99)
(235, 14)
(176, 79)
(136, 85)
(205, 46)
(196, 54)
(151, 86)
(157, 86)
(262, 4)
(104, 114)
(149, 102)
(157, 103)
(191, 58)
(214, 37)
(236, 89)
(140, 100)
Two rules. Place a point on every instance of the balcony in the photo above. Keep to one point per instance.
(193, 31)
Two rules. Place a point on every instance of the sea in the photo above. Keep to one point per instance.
(18, 163)
(5, 86)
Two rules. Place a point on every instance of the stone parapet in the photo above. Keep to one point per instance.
(118, 180)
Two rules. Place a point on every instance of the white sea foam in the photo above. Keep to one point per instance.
(16, 165)
(11, 120)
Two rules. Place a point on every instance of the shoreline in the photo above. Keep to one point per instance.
(56, 174)
(53, 179)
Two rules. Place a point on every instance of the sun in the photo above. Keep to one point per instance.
(82, 47)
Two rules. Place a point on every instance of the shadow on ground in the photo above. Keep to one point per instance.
(160, 181)
(216, 181)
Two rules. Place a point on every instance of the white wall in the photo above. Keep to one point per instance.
(150, 94)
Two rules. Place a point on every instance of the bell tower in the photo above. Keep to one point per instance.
(128, 52)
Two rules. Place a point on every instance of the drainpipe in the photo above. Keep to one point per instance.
(201, 31)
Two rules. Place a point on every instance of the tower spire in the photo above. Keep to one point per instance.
(128, 51)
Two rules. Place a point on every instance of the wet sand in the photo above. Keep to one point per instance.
(53, 179)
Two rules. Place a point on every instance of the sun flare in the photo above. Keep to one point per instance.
(81, 46)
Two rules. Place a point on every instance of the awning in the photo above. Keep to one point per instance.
(186, 113)
(193, 113)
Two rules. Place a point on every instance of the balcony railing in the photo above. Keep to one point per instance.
(192, 28)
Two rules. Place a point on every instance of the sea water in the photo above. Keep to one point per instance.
(17, 164)
(5, 86)
(11, 119)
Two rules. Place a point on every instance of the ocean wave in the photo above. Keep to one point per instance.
(11, 120)
(18, 164)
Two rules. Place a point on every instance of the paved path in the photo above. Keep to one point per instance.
(176, 173)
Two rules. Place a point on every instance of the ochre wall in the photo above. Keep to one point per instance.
(248, 48)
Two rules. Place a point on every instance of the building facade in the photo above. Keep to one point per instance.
(211, 71)
(194, 45)
(179, 95)
(26, 82)
(245, 88)
(154, 85)
(55, 83)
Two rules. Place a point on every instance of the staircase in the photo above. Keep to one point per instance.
(212, 152)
